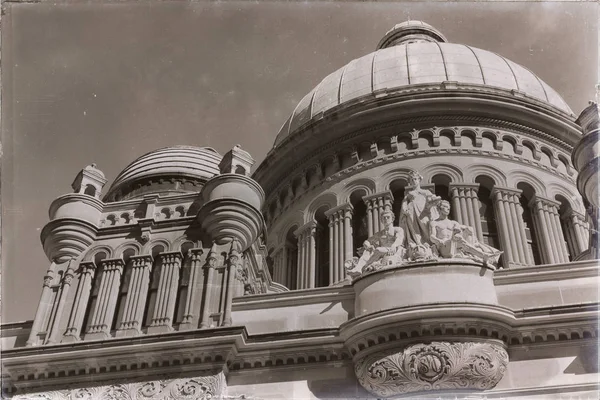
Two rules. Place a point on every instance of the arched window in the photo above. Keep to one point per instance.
(240, 170)
(360, 230)
(397, 188)
(532, 236)
(153, 286)
(291, 249)
(322, 248)
(489, 228)
(90, 190)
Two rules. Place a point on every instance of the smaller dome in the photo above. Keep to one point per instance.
(410, 32)
(176, 169)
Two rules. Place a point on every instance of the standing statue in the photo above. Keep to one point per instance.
(418, 208)
(452, 240)
(382, 249)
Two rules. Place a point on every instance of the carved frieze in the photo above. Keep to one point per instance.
(197, 388)
(433, 366)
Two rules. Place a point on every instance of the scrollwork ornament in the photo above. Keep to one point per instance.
(434, 366)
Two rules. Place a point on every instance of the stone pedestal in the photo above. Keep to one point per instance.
(428, 328)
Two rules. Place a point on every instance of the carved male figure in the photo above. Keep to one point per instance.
(453, 240)
(383, 245)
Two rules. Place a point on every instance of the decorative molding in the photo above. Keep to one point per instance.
(197, 388)
(434, 366)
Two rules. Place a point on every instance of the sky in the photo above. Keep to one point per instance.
(106, 83)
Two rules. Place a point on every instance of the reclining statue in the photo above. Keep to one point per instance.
(383, 248)
(452, 240)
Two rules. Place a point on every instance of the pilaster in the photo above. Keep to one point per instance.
(135, 301)
(86, 271)
(466, 205)
(162, 320)
(104, 310)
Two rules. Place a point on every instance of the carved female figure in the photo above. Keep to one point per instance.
(418, 208)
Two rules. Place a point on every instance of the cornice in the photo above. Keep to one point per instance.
(544, 273)
(292, 298)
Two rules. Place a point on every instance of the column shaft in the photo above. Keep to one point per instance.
(348, 250)
(162, 320)
(42, 309)
(194, 287)
(207, 293)
(105, 304)
(82, 295)
(313, 257)
(502, 227)
(64, 291)
(520, 240)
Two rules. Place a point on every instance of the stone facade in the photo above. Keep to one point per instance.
(331, 271)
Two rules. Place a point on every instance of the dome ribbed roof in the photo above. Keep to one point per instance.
(195, 163)
(422, 63)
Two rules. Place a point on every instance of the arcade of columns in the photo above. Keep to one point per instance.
(103, 309)
(554, 244)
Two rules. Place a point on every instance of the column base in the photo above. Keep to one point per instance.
(159, 329)
(97, 336)
(128, 332)
(70, 338)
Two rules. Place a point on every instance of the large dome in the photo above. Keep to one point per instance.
(176, 168)
(413, 55)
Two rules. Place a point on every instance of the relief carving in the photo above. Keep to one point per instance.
(198, 388)
(434, 366)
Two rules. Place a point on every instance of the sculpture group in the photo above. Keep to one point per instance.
(424, 233)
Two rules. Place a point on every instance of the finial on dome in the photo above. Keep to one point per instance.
(410, 32)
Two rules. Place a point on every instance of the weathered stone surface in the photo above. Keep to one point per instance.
(434, 366)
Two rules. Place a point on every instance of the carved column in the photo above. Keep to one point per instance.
(306, 255)
(194, 286)
(577, 232)
(545, 214)
(348, 247)
(162, 320)
(340, 220)
(466, 206)
(376, 204)
(53, 331)
(104, 310)
(82, 296)
(211, 263)
(135, 301)
(233, 264)
(509, 218)
(43, 309)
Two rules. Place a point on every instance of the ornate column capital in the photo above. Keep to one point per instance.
(113, 264)
(340, 210)
(48, 278)
(543, 201)
(171, 257)
(195, 254)
(387, 195)
(87, 267)
(142, 260)
(470, 188)
(309, 228)
(506, 194)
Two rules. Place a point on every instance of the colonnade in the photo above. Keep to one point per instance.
(547, 225)
(168, 284)
(465, 204)
(554, 244)
(340, 240)
(210, 291)
(576, 232)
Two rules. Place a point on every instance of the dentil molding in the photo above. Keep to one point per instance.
(433, 366)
